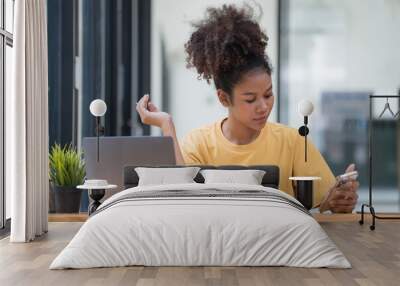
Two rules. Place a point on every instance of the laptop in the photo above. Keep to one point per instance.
(117, 152)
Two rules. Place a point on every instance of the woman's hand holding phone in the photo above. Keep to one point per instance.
(342, 197)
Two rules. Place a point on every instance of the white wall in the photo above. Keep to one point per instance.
(194, 102)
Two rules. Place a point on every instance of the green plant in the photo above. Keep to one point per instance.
(67, 169)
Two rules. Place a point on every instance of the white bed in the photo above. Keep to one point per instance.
(185, 230)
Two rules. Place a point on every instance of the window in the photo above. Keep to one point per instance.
(336, 53)
(97, 49)
(6, 65)
(100, 49)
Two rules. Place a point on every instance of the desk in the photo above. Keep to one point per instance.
(353, 217)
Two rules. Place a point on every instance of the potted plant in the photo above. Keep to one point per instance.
(67, 170)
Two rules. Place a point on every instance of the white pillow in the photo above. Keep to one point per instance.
(248, 177)
(163, 176)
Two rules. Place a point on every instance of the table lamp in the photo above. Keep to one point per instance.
(98, 108)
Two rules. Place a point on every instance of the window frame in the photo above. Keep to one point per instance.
(6, 39)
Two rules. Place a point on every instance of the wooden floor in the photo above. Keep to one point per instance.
(375, 256)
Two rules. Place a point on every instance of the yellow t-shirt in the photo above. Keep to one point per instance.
(277, 145)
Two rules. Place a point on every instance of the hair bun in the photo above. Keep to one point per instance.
(224, 41)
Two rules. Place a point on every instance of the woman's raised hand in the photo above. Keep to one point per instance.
(149, 113)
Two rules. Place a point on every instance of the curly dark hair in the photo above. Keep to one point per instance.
(227, 44)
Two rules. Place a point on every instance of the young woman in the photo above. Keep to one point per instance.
(228, 47)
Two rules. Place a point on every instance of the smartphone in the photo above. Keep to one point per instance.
(147, 105)
(344, 178)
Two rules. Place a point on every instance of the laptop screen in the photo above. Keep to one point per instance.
(117, 152)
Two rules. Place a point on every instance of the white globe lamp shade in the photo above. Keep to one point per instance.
(305, 107)
(98, 107)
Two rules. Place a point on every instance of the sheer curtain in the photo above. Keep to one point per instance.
(27, 124)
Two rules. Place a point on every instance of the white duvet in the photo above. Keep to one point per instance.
(200, 231)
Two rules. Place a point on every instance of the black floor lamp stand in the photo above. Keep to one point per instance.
(369, 205)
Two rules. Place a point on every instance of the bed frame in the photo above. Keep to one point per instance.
(270, 179)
